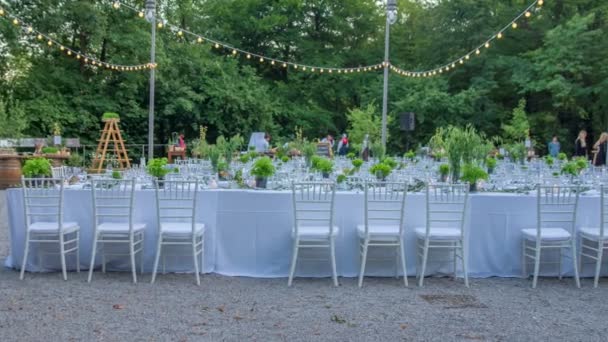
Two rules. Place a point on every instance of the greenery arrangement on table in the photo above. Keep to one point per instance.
(562, 157)
(462, 145)
(341, 178)
(323, 165)
(357, 163)
(110, 116)
(380, 170)
(262, 169)
(351, 155)
(157, 167)
(411, 155)
(549, 161)
(574, 167)
(285, 159)
(472, 174)
(444, 171)
(116, 175)
(491, 164)
(390, 162)
(229, 147)
(37, 167)
(75, 160)
(309, 149)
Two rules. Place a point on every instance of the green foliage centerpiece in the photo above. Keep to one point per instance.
(157, 167)
(381, 171)
(471, 174)
(262, 169)
(37, 168)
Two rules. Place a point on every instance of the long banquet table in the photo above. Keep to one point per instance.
(249, 234)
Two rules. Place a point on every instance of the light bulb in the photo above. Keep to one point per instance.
(261, 60)
(1, 11)
(30, 29)
(180, 33)
(499, 35)
(199, 40)
(284, 65)
(15, 22)
(69, 53)
(50, 43)
(217, 46)
(160, 25)
(477, 52)
(141, 14)
(39, 37)
(487, 45)
(116, 5)
(540, 2)
(248, 56)
(514, 25)
(467, 57)
(234, 52)
(528, 14)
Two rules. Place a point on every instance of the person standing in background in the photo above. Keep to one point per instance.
(600, 149)
(581, 144)
(343, 145)
(554, 147)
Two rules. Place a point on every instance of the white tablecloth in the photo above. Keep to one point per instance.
(249, 234)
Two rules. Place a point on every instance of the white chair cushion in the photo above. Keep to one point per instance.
(592, 233)
(110, 227)
(314, 232)
(379, 232)
(547, 234)
(49, 227)
(183, 229)
(443, 233)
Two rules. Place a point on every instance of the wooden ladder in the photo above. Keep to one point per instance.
(110, 134)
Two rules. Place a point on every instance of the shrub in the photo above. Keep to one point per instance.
(37, 167)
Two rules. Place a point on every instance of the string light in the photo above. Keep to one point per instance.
(476, 51)
(50, 42)
(250, 55)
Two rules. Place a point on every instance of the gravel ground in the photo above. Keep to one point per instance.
(43, 307)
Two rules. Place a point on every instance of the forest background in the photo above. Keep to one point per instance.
(556, 61)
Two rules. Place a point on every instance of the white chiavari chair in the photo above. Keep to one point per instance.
(43, 209)
(113, 222)
(313, 204)
(446, 206)
(594, 240)
(177, 226)
(556, 215)
(384, 209)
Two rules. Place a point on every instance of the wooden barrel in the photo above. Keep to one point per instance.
(10, 171)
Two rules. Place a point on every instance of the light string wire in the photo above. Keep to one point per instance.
(527, 13)
(50, 42)
(234, 51)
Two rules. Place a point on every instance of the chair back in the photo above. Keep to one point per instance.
(385, 204)
(43, 200)
(556, 207)
(176, 201)
(113, 201)
(58, 172)
(313, 204)
(446, 206)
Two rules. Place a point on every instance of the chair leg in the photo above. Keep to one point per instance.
(455, 267)
(77, 251)
(202, 254)
(403, 264)
(536, 265)
(156, 258)
(396, 264)
(195, 258)
(132, 255)
(141, 255)
(425, 254)
(294, 258)
(464, 258)
(62, 256)
(103, 257)
(92, 264)
(25, 253)
(363, 261)
(332, 247)
(575, 264)
(524, 273)
(598, 263)
(559, 263)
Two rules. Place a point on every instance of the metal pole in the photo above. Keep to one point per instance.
(151, 6)
(385, 94)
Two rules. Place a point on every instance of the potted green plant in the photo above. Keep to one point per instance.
(50, 150)
(491, 164)
(562, 157)
(444, 171)
(222, 170)
(37, 168)
(325, 166)
(116, 175)
(285, 159)
(549, 161)
(157, 167)
(381, 171)
(309, 150)
(351, 155)
(262, 169)
(390, 162)
(471, 174)
(411, 155)
(244, 158)
(357, 163)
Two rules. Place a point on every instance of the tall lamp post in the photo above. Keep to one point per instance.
(391, 18)
(151, 18)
